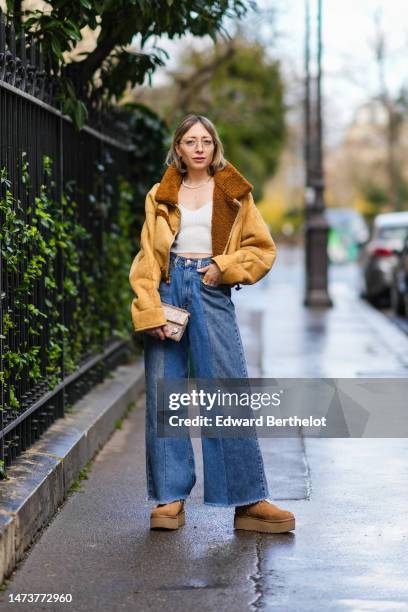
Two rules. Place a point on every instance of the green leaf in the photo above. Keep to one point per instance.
(80, 114)
(56, 46)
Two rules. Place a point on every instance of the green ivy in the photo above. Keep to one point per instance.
(95, 288)
(42, 231)
(117, 242)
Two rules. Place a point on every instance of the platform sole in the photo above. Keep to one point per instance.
(167, 522)
(253, 524)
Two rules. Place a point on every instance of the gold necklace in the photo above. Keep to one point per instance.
(196, 186)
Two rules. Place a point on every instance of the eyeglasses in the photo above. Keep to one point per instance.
(192, 142)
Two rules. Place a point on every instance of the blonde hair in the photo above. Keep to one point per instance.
(173, 159)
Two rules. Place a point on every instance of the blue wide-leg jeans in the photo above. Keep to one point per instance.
(233, 467)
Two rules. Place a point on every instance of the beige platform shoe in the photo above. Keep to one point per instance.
(168, 516)
(264, 517)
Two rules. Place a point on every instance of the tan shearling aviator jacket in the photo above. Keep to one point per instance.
(242, 246)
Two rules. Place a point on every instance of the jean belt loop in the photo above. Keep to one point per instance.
(199, 263)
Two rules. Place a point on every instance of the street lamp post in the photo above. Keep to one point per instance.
(316, 227)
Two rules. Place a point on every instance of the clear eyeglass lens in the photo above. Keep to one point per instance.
(191, 142)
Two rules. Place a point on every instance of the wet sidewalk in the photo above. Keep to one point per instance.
(284, 338)
(349, 495)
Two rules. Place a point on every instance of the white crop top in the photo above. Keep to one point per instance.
(194, 235)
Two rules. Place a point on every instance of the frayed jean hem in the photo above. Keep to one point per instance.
(169, 501)
(234, 505)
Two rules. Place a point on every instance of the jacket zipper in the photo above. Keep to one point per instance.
(237, 285)
(232, 229)
(167, 277)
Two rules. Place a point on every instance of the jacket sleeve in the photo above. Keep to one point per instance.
(256, 254)
(144, 276)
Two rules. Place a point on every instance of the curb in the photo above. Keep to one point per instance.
(38, 480)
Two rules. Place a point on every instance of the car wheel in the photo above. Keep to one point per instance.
(397, 301)
(381, 300)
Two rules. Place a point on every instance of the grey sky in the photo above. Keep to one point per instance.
(350, 70)
(351, 74)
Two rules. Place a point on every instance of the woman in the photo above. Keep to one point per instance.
(202, 234)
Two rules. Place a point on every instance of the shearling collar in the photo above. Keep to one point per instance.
(229, 185)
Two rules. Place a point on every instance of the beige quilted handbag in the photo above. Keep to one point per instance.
(177, 319)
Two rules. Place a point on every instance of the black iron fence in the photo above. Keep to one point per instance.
(62, 194)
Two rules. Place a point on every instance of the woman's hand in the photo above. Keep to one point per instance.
(161, 332)
(213, 274)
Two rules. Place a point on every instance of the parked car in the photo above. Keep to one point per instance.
(399, 287)
(378, 258)
(347, 230)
